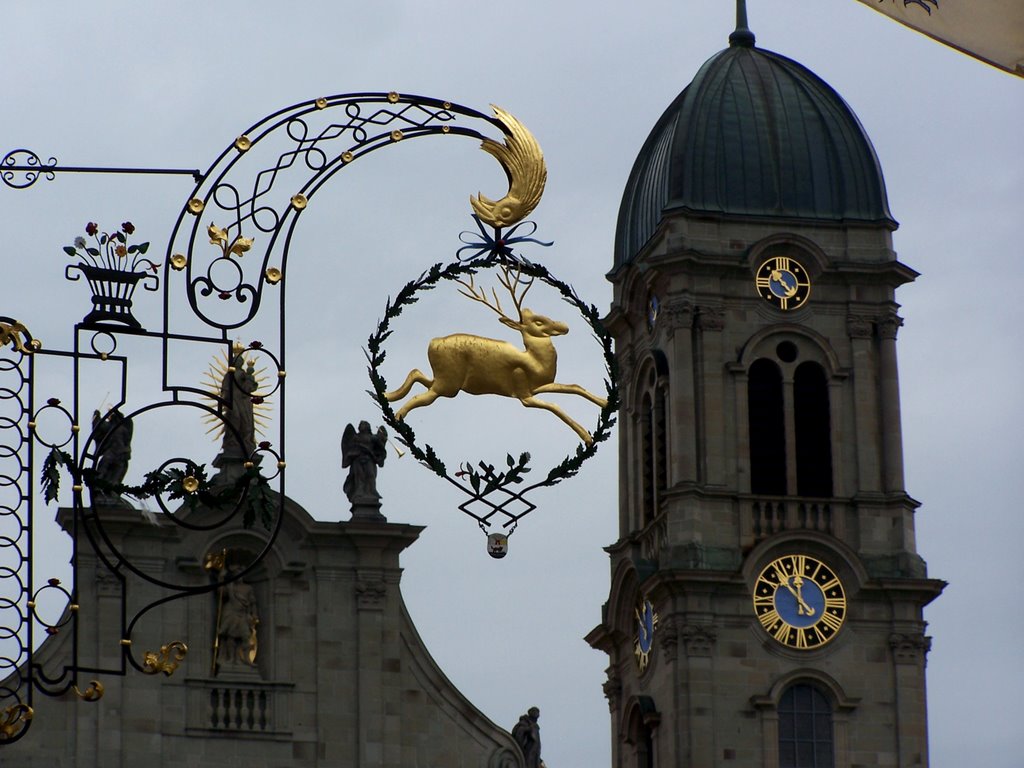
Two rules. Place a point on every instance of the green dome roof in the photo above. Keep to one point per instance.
(754, 134)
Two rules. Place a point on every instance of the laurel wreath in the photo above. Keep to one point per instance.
(480, 479)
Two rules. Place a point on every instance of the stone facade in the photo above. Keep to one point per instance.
(340, 676)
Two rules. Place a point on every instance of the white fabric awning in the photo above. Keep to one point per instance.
(989, 30)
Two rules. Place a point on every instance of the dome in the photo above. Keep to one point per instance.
(755, 134)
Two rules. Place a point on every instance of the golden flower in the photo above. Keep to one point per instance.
(393, 97)
(189, 484)
(121, 251)
(348, 157)
(273, 275)
(195, 206)
(321, 103)
(397, 135)
(178, 262)
(299, 202)
(243, 143)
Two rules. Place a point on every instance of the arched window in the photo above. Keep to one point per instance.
(647, 459)
(767, 429)
(813, 431)
(805, 728)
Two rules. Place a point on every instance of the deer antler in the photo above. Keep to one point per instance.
(480, 295)
(509, 282)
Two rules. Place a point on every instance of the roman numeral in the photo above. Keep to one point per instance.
(801, 639)
(831, 621)
(781, 633)
(769, 619)
(762, 282)
(782, 263)
(837, 603)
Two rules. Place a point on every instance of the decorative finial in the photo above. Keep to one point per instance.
(742, 36)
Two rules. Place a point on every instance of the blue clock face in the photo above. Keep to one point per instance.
(647, 622)
(784, 282)
(800, 601)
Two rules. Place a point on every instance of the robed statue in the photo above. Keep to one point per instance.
(113, 436)
(236, 642)
(362, 452)
(527, 735)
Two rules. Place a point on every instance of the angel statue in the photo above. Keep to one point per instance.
(362, 451)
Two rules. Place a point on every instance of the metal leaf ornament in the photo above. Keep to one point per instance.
(521, 158)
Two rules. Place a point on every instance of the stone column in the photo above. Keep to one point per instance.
(889, 394)
(866, 414)
(682, 397)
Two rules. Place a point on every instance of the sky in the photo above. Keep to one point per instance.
(116, 84)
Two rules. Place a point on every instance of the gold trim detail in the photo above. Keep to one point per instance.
(523, 162)
(397, 135)
(347, 157)
(93, 693)
(321, 103)
(178, 262)
(9, 334)
(299, 202)
(126, 642)
(166, 660)
(189, 484)
(195, 206)
(243, 143)
(14, 719)
(446, 129)
(393, 97)
(273, 275)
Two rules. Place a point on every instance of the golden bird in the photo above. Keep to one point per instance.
(523, 162)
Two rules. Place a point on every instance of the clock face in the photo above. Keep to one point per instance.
(800, 601)
(647, 621)
(783, 282)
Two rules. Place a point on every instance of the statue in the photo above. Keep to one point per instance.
(362, 452)
(236, 643)
(113, 436)
(527, 735)
(236, 391)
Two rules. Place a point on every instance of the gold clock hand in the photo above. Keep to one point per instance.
(804, 607)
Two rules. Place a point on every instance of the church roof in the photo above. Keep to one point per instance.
(754, 134)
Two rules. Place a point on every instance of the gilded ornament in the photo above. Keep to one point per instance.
(397, 135)
(321, 103)
(299, 202)
(237, 247)
(347, 157)
(273, 275)
(190, 484)
(393, 97)
(166, 660)
(93, 693)
(477, 365)
(178, 262)
(13, 719)
(521, 158)
(243, 143)
(446, 129)
(447, 105)
(195, 206)
(12, 333)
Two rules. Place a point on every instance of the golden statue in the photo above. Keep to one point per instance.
(476, 365)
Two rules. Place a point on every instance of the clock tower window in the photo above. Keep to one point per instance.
(805, 728)
(767, 429)
(813, 434)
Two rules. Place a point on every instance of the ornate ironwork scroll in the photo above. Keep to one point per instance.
(227, 256)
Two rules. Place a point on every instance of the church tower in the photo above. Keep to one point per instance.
(766, 592)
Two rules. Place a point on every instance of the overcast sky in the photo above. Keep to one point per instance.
(106, 83)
